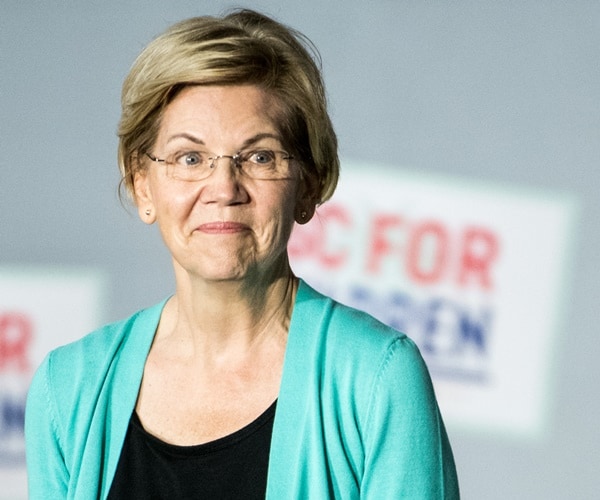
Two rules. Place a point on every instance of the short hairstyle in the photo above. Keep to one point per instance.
(242, 47)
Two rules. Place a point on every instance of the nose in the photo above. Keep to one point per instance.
(223, 184)
(232, 159)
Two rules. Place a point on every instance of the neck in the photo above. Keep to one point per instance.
(216, 317)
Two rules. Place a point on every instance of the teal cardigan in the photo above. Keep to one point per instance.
(356, 415)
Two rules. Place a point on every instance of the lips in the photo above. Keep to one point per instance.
(222, 227)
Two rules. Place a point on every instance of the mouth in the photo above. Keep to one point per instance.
(222, 227)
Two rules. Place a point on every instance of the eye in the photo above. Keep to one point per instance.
(189, 159)
(260, 157)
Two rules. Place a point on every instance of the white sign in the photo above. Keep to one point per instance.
(40, 309)
(472, 273)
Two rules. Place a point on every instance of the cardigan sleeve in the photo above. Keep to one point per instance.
(47, 473)
(407, 452)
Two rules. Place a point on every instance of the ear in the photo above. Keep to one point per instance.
(304, 211)
(306, 203)
(143, 196)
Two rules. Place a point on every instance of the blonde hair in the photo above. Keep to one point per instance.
(243, 47)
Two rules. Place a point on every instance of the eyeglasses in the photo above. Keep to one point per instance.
(264, 164)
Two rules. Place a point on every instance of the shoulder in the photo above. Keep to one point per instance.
(357, 353)
(385, 357)
(72, 367)
(367, 372)
(350, 330)
(106, 340)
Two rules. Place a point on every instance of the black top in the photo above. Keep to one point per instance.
(231, 467)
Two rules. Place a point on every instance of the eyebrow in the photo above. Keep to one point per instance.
(187, 136)
(259, 137)
(248, 142)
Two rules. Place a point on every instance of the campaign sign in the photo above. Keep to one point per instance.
(40, 309)
(474, 274)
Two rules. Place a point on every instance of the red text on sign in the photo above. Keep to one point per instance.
(427, 251)
(15, 336)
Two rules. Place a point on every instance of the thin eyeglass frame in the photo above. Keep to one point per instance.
(236, 158)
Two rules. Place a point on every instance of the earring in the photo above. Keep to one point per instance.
(148, 212)
(303, 214)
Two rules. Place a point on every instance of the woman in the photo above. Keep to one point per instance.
(246, 382)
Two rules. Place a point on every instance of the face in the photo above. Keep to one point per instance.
(227, 226)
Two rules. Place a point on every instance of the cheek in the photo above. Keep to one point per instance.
(282, 216)
(172, 198)
(173, 208)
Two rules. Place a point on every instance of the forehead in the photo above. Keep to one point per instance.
(220, 113)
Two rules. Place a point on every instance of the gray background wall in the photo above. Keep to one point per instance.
(505, 92)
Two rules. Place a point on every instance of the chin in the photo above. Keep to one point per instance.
(223, 267)
(224, 271)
